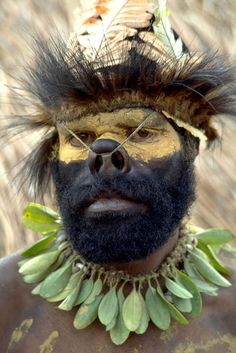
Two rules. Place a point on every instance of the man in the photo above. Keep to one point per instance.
(124, 123)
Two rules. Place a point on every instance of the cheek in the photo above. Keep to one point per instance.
(169, 168)
(156, 150)
(160, 146)
(69, 153)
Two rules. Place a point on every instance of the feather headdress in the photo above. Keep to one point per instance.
(121, 54)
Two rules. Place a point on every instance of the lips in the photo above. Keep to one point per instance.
(105, 204)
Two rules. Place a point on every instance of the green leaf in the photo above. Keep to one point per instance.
(39, 246)
(97, 288)
(201, 254)
(86, 289)
(213, 258)
(177, 289)
(73, 281)
(201, 283)
(56, 281)
(113, 321)
(22, 262)
(175, 313)
(70, 300)
(217, 248)
(145, 318)
(87, 314)
(228, 248)
(119, 333)
(215, 236)
(108, 307)
(37, 277)
(40, 276)
(157, 309)
(205, 287)
(183, 305)
(208, 271)
(196, 300)
(36, 290)
(132, 311)
(190, 269)
(40, 218)
(39, 263)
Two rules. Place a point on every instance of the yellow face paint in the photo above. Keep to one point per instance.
(156, 139)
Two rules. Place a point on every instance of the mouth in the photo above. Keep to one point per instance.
(113, 204)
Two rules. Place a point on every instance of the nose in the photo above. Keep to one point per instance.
(102, 159)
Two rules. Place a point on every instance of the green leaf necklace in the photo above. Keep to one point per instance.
(65, 277)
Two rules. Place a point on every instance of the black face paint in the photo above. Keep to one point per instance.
(167, 190)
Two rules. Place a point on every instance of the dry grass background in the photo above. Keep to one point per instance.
(203, 23)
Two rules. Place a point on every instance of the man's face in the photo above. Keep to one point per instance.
(120, 204)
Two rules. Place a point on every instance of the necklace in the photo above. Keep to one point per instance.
(63, 276)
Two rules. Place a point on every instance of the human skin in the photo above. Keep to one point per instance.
(31, 324)
(118, 125)
(152, 168)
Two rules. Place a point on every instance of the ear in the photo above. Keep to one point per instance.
(192, 147)
(190, 143)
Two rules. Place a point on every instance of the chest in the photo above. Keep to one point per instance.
(41, 328)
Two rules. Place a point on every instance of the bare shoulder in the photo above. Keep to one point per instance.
(12, 298)
(28, 323)
(10, 278)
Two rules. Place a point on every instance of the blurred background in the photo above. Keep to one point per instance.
(202, 24)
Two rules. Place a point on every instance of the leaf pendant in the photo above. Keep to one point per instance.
(86, 289)
(157, 309)
(70, 300)
(97, 288)
(87, 314)
(145, 318)
(108, 307)
(73, 281)
(39, 263)
(56, 281)
(119, 333)
(132, 310)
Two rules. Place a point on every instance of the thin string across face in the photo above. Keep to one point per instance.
(120, 144)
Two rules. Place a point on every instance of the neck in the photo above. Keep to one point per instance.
(151, 262)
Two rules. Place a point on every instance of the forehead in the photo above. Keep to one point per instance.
(130, 117)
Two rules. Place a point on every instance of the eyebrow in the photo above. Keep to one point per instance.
(155, 123)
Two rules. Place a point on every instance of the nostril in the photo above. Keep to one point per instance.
(98, 163)
(118, 160)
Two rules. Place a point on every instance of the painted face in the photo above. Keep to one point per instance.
(156, 139)
(121, 206)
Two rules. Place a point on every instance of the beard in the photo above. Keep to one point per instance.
(167, 190)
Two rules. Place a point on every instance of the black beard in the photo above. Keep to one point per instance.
(167, 190)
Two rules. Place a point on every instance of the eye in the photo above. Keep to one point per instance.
(87, 137)
(141, 135)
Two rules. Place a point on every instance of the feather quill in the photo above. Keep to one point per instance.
(164, 31)
(110, 22)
